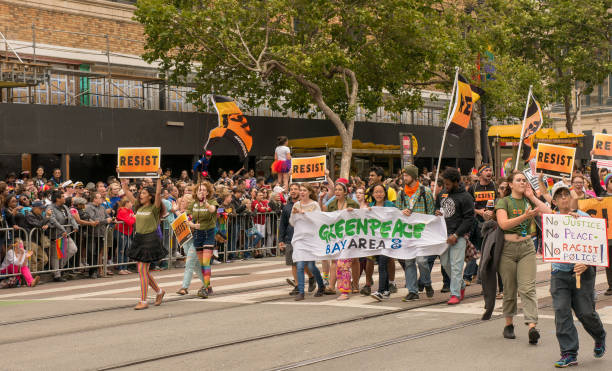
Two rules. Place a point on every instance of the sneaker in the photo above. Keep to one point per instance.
(467, 282)
(608, 292)
(216, 253)
(299, 297)
(453, 300)
(366, 290)
(411, 296)
(421, 286)
(326, 282)
(386, 294)
(377, 295)
(203, 293)
(210, 290)
(320, 292)
(462, 294)
(59, 279)
(311, 284)
(445, 289)
(566, 360)
(291, 282)
(599, 350)
(392, 288)
(430, 291)
(215, 262)
(295, 291)
(534, 336)
(93, 275)
(509, 332)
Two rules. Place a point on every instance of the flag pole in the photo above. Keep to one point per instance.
(518, 154)
(448, 115)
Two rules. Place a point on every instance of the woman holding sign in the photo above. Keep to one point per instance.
(517, 266)
(282, 161)
(307, 203)
(203, 213)
(379, 194)
(147, 246)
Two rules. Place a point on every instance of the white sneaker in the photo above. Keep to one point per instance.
(215, 262)
(176, 254)
(216, 253)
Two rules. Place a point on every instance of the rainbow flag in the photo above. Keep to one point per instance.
(60, 247)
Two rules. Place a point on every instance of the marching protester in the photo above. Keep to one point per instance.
(203, 213)
(285, 234)
(415, 198)
(192, 263)
(457, 207)
(515, 214)
(365, 264)
(484, 193)
(567, 296)
(342, 266)
(306, 203)
(379, 196)
(603, 191)
(147, 246)
(282, 161)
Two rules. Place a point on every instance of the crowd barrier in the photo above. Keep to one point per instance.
(103, 248)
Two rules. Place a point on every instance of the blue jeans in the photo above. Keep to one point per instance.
(312, 267)
(123, 242)
(252, 241)
(383, 274)
(430, 262)
(411, 273)
(192, 264)
(452, 261)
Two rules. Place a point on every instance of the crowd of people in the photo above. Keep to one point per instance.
(243, 216)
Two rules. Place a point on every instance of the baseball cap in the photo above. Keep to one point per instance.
(559, 186)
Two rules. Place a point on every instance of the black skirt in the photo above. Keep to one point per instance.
(147, 248)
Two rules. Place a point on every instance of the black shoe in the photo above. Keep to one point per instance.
(445, 288)
(203, 293)
(311, 284)
(534, 335)
(392, 288)
(430, 291)
(421, 286)
(377, 295)
(608, 292)
(366, 290)
(291, 282)
(295, 291)
(411, 296)
(93, 275)
(59, 279)
(320, 292)
(509, 332)
(299, 297)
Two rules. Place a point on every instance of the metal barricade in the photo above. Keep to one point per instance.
(251, 235)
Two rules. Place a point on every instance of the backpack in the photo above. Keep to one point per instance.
(421, 197)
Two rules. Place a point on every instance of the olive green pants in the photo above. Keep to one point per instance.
(517, 267)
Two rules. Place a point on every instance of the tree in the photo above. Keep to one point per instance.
(566, 41)
(293, 54)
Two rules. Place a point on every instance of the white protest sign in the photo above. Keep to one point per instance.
(362, 232)
(575, 240)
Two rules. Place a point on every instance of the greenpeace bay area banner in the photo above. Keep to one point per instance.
(365, 232)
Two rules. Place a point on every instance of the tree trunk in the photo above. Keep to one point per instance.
(477, 143)
(569, 122)
(347, 154)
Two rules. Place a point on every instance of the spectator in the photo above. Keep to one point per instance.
(15, 263)
(62, 224)
(123, 232)
(99, 216)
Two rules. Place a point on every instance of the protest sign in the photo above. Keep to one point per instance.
(597, 209)
(362, 232)
(602, 147)
(308, 169)
(581, 240)
(181, 229)
(555, 161)
(138, 162)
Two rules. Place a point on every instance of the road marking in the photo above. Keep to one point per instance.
(345, 303)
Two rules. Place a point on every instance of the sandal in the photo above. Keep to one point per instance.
(329, 291)
(343, 297)
(182, 291)
(500, 296)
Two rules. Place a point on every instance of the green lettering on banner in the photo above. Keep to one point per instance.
(339, 228)
(349, 229)
(408, 231)
(398, 229)
(323, 233)
(374, 225)
(418, 229)
(385, 228)
(362, 226)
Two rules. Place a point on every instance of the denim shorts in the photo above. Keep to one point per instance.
(204, 239)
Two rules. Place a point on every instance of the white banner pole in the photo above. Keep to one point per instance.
(448, 115)
(518, 154)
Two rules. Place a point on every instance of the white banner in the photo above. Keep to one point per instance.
(574, 240)
(379, 231)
